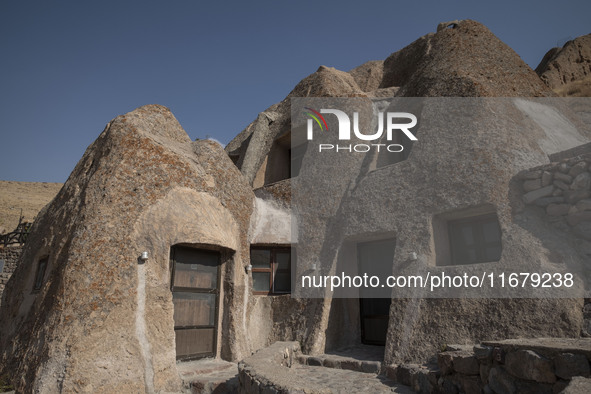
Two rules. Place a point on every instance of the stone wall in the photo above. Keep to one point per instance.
(563, 190)
(268, 370)
(543, 365)
(10, 254)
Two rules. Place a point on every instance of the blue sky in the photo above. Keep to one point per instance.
(68, 67)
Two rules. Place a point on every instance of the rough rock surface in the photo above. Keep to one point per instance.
(572, 62)
(578, 385)
(144, 186)
(463, 59)
(369, 75)
(101, 322)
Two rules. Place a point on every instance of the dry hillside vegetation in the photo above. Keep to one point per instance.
(579, 88)
(31, 197)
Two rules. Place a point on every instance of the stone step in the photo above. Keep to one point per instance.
(209, 376)
(340, 362)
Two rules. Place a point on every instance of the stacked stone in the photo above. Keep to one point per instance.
(10, 254)
(563, 189)
(586, 330)
(510, 369)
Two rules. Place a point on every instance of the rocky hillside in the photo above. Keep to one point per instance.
(567, 70)
(31, 197)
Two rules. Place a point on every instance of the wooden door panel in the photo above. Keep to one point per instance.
(195, 277)
(193, 309)
(190, 342)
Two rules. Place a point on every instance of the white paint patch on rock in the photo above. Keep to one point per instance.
(271, 224)
(140, 329)
(561, 134)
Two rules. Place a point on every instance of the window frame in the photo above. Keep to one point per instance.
(273, 268)
(40, 274)
(480, 245)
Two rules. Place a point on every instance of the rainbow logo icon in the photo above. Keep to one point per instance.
(317, 117)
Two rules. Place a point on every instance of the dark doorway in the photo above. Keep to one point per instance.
(195, 294)
(375, 258)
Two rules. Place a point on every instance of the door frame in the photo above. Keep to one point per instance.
(362, 315)
(215, 291)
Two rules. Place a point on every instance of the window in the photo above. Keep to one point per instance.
(40, 274)
(271, 270)
(475, 240)
(468, 236)
(278, 161)
(285, 158)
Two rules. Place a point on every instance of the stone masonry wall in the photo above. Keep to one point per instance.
(10, 254)
(542, 365)
(563, 190)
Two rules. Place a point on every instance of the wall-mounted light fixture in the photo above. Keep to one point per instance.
(248, 268)
(144, 257)
(413, 256)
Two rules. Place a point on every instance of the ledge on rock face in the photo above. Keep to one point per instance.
(548, 347)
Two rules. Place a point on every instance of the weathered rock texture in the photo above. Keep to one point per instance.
(465, 60)
(572, 62)
(462, 59)
(101, 322)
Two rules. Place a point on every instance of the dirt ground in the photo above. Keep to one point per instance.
(31, 197)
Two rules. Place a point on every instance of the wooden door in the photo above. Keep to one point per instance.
(195, 294)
